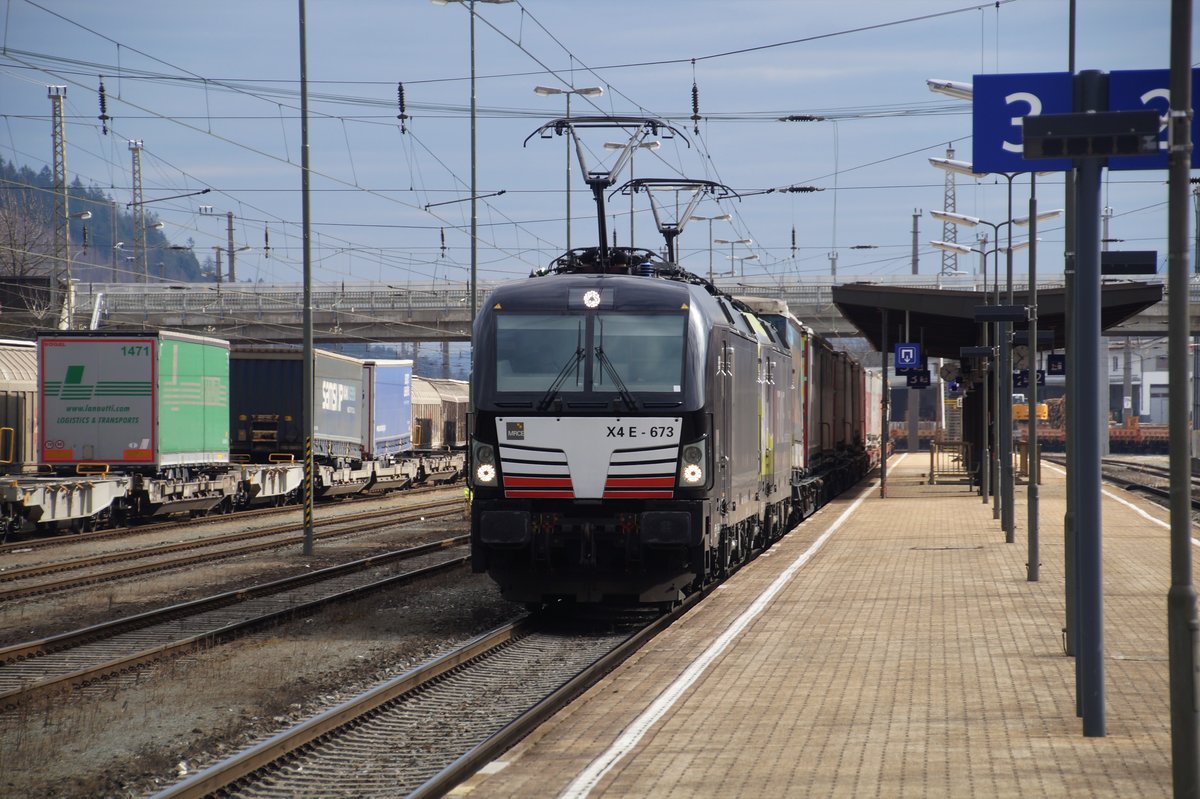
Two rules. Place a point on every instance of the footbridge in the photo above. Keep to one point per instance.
(379, 312)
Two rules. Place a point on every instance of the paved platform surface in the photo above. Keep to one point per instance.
(905, 655)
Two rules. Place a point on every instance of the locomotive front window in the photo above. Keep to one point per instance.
(645, 351)
(534, 350)
(598, 353)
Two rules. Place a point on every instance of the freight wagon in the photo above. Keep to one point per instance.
(18, 406)
(387, 408)
(143, 402)
(143, 415)
(141, 426)
(267, 403)
(439, 414)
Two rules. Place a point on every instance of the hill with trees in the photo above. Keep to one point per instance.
(102, 247)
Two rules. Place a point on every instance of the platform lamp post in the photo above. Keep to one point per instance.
(646, 145)
(988, 456)
(1004, 385)
(586, 91)
(961, 90)
(738, 262)
(731, 243)
(710, 220)
(470, 4)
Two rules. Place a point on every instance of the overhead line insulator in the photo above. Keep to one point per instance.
(104, 117)
(403, 115)
(695, 109)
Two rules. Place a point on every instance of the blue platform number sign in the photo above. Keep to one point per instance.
(1141, 89)
(999, 102)
(1056, 364)
(908, 356)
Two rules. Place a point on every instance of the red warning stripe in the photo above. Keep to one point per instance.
(640, 482)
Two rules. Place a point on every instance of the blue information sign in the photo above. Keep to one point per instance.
(1000, 102)
(1141, 89)
(908, 356)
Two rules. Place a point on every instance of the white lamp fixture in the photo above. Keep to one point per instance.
(957, 89)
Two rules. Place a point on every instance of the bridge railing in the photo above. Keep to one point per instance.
(210, 298)
(438, 304)
(804, 292)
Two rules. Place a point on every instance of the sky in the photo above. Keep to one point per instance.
(212, 92)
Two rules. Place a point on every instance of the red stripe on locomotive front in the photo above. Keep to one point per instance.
(640, 482)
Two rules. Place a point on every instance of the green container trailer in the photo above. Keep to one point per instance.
(119, 400)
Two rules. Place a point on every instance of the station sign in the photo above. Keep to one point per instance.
(1021, 378)
(908, 356)
(1056, 364)
(918, 378)
(1000, 102)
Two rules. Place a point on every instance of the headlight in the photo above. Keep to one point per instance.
(485, 464)
(692, 469)
(485, 474)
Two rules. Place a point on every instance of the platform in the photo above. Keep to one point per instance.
(886, 647)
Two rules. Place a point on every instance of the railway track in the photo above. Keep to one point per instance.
(121, 649)
(1144, 478)
(425, 731)
(26, 543)
(107, 567)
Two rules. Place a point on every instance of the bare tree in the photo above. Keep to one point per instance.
(25, 239)
(29, 298)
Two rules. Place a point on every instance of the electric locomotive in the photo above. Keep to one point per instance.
(631, 433)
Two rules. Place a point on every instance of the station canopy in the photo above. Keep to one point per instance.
(943, 320)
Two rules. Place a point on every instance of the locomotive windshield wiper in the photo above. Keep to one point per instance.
(607, 363)
(552, 392)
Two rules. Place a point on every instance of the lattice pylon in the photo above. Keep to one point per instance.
(62, 232)
(62, 211)
(949, 229)
(139, 208)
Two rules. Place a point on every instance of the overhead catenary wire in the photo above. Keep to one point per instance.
(209, 82)
(421, 191)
